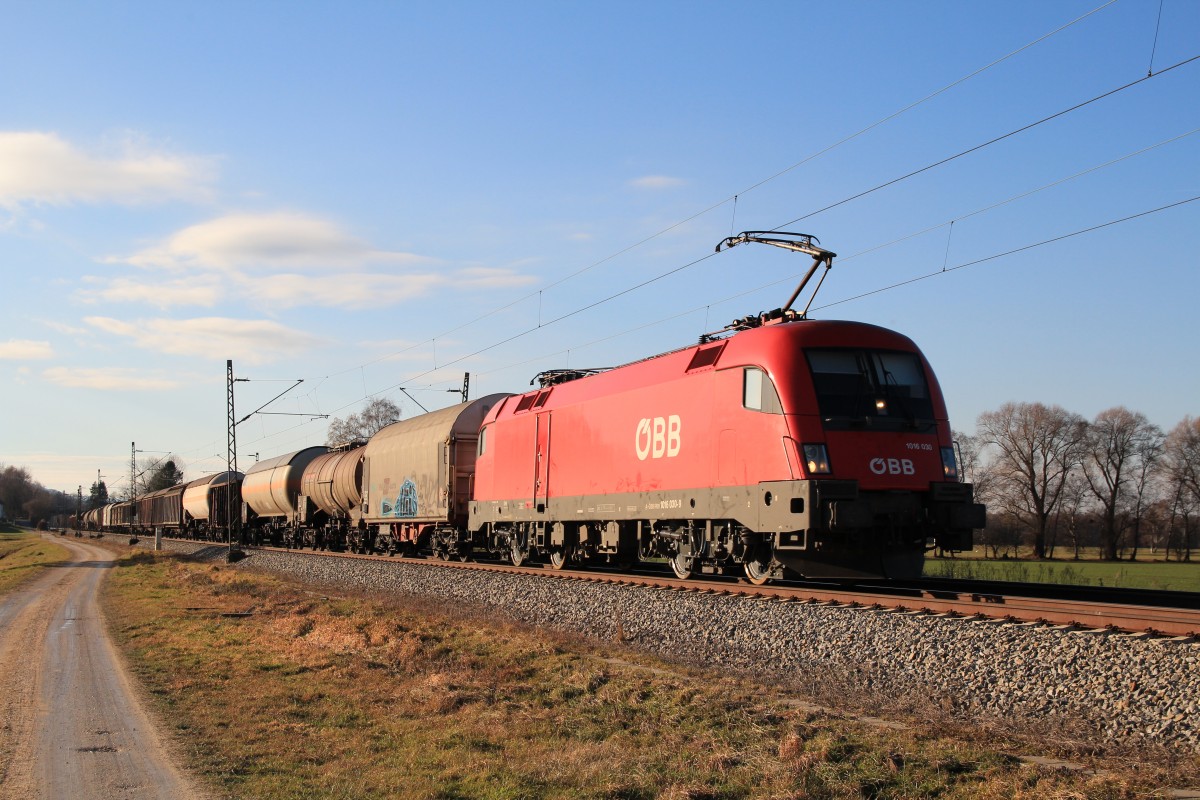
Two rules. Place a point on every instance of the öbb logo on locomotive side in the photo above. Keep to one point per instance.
(658, 437)
(893, 466)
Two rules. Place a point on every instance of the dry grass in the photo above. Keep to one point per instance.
(351, 697)
(24, 555)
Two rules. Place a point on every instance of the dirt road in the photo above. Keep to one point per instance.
(70, 723)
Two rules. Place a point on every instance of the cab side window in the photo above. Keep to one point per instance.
(758, 392)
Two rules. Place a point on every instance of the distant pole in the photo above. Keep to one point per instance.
(133, 485)
(78, 507)
(466, 385)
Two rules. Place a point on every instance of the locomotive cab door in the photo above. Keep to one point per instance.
(541, 481)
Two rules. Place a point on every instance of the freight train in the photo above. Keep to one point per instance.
(779, 445)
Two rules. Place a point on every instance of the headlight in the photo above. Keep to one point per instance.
(816, 458)
(949, 464)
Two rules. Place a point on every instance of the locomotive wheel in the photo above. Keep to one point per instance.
(517, 555)
(682, 566)
(559, 557)
(758, 572)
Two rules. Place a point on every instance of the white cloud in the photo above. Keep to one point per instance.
(270, 259)
(368, 290)
(62, 327)
(108, 379)
(656, 182)
(274, 241)
(197, 291)
(42, 168)
(363, 290)
(25, 350)
(219, 338)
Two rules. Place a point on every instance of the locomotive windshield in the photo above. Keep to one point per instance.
(878, 389)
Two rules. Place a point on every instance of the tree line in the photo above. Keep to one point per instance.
(24, 498)
(1052, 479)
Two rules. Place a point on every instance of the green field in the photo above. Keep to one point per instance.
(1166, 575)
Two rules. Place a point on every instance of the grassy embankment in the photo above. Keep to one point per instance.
(24, 554)
(351, 697)
(1172, 575)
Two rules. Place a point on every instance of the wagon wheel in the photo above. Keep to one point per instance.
(559, 557)
(463, 554)
(517, 553)
(682, 566)
(758, 570)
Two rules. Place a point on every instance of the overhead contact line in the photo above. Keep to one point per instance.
(735, 195)
(988, 143)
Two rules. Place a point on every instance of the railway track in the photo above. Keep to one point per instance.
(1085, 608)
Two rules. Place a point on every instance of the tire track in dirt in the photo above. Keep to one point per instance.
(72, 725)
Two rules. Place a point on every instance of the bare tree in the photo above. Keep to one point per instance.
(1181, 460)
(1121, 448)
(1147, 489)
(973, 468)
(1072, 507)
(378, 413)
(1037, 447)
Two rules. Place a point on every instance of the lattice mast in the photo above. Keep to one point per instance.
(231, 451)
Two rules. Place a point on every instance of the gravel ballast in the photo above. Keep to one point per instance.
(1130, 689)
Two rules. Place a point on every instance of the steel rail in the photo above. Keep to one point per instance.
(1086, 615)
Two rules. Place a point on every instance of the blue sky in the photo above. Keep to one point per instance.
(375, 195)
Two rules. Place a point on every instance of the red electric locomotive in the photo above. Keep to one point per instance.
(819, 447)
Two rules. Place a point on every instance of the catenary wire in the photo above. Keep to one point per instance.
(786, 224)
(988, 143)
(889, 287)
(892, 182)
(693, 263)
(1014, 251)
(733, 198)
(874, 292)
(844, 259)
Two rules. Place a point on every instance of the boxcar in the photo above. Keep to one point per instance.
(417, 481)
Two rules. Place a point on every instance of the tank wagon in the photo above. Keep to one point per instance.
(329, 505)
(417, 482)
(209, 503)
(270, 491)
